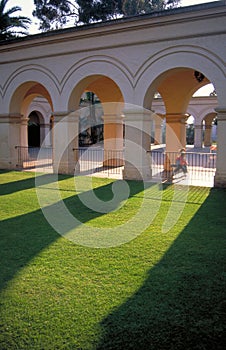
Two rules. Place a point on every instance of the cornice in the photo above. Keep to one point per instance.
(147, 21)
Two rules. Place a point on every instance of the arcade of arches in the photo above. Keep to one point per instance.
(201, 131)
(124, 63)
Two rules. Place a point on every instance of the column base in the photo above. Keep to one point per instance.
(8, 165)
(113, 163)
(141, 174)
(66, 168)
(167, 177)
(113, 158)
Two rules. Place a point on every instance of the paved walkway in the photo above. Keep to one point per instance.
(198, 175)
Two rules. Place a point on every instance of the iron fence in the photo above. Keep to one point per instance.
(94, 160)
(201, 167)
(110, 163)
(35, 157)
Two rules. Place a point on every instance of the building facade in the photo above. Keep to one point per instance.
(125, 63)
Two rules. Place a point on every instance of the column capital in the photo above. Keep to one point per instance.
(158, 117)
(14, 118)
(24, 120)
(111, 118)
(60, 113)
(68, 115)
(198, 126)
(134, 113)
(221, 112)
(176, 117)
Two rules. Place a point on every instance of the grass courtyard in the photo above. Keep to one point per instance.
(160, 290)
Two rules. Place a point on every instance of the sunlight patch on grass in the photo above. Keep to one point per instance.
(158, 290)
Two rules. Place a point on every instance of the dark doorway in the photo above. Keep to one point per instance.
(33, 130)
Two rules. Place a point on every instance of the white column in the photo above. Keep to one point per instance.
(175, 139)
(113, 140)
(207, 135)
(175, 131)
(65, 142)
(220, 176)
(24, 131)
(137, 143)
(158, 129)
(45, 135)
(198, 136)
(12, 128)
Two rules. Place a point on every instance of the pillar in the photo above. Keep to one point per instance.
(220, 176)
(175, 140)
(137, 143)
(175, 132)
(65, 142)
(45, 135)
(113, 140)
(24, 131)
(198, 136)
(207, 135)
(13, 133)
(158, 129)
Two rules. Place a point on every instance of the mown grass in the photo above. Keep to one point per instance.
(157, 291)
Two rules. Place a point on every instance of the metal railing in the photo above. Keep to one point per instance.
(201, 167)
(110, 163)
(94, 160)
(34, 157)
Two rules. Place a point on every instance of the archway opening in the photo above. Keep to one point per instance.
(178, 89)
(25, 94)
(31, 132)
(185, 107)
(34, 130)
(99, 99)
(98, 102)
(91, 125)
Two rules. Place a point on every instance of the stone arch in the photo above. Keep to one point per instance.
(207, 115)
(207, 127)
(19, 103)
(91, 70)
(177, 58)
(43, 108)
(171, 72)
(104, 87)
(27, 78)
(25, 94)
(112, 100)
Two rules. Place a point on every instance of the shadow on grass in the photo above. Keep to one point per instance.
(25, 236)
(181, 305)
(27, 183)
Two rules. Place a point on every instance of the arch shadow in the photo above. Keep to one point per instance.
(179, 306)
(23, 237)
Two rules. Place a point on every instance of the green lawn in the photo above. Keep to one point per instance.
(160, 290)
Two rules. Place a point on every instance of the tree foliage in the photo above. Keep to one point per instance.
(93, 10)
(136, 7)
(12, 26)
(55, 13)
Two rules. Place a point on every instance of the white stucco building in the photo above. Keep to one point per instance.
(124, 62)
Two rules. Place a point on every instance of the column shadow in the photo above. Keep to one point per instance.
(181, 304)
(28, 183)
(25, 236)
